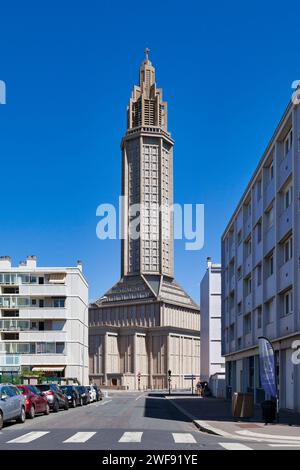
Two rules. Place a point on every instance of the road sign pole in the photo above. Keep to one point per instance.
(192, 385)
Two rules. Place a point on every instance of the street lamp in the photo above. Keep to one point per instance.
(169, 380)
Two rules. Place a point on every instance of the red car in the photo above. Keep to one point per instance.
(35, 401)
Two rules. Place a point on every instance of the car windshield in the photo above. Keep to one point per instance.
(33, 389)
(66, 388)
(43, 388)
(22, 390)
(81, 389)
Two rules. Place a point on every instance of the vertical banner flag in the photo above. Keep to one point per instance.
(267, 366)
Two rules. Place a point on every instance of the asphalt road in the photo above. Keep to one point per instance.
(123, 421)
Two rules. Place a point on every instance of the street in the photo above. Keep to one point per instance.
(122, 421)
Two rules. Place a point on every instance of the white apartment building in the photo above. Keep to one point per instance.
(212, 364)
(261, 263)
(43, 320)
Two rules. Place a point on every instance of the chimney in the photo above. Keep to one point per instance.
(5, 262)
(209, 263)
(79, 265)
(31, 262)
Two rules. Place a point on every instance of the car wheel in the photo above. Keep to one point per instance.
(22, 417)
(55, 407)
(74, 403)
(31, 413)
(1, 420)
(66, 407)
(47, 409)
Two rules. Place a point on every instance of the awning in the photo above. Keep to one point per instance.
(48, 369)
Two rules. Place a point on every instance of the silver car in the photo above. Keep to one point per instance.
(12, 404)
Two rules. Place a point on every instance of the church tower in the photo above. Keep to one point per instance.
(147, 175)
(146, 324)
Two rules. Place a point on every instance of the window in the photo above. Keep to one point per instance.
(239, 308)
(258, 274)
(288, 249)
(270, 265)
(259, 190)
(270, 172)
(259, 317)
(248, 246)
(239, 237)
(287, 197)
(269, 311)
(239, 272)
(248, 285)
(58, 303)
(239, 342)
(288, 143)
(288, 302)
(258, 232)
(231, 332)
(269, 217)
(247, 323)
(247, 210)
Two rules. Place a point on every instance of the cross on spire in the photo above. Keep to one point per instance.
(147, 50)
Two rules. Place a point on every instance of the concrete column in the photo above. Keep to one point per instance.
(134, 359)
(105, 353)
(150, 362)
(167, 362)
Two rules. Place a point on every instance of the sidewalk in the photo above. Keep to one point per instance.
(214, 416)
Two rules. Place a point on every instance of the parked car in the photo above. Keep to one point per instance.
(12, 404)
(56, 398)
(92, 392)
(35, 400)
(99, 394)
(72, 394)
(84, 393)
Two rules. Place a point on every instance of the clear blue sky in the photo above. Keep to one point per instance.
(226, 70)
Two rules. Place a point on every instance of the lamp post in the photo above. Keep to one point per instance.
(169, 380)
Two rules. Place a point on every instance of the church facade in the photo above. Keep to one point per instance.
(146, 324)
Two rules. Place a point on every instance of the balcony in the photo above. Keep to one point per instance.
(43, 336)
(248, 265)
(248, 303)
(258, 253)
(43, 313)
(285, 222)
(43, 290)
(257, 210)
(285, 275)
(286, 325)
(270, 193)
(270, 287)
(258, 297)
(9, 360)
(285, 169)
(247, 227)
(269, 239)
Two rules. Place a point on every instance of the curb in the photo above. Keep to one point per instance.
(203, 426)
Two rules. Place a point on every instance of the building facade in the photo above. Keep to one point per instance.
(146, 324)
(43, 320)
(212, 364)
(261, 262)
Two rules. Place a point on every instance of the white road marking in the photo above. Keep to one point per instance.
(131, 437)
(80, 437)
(140, 396)
(234, 446)
(245, 432)
(28, 437)
(183, 438)
(284, 445)
(105, 402)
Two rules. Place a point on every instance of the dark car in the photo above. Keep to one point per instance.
(99, 394)
(35, 400)
(72, 394)
(56, 399)
(84, 394)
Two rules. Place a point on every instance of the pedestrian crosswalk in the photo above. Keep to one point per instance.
(66, 438)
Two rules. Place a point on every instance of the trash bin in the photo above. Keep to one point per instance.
(268, 411)
(242, 405)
